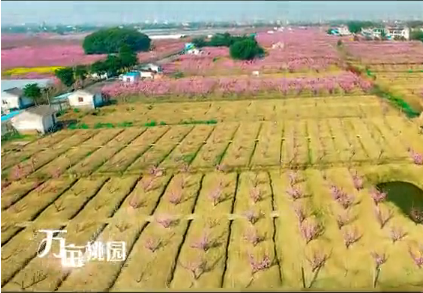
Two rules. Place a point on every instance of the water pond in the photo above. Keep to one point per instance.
(406, 196)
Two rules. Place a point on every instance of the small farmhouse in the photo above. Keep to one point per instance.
(147, 74)
(131, 77)
(41, 119)
(14, 99)
(86, 99)
(194, 51)
(153, 67)
(398, 32)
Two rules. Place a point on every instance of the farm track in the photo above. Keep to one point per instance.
(106, 208)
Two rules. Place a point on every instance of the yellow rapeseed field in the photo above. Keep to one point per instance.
(26, 70)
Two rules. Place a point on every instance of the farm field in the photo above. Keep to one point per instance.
(287, 143)
(254, 226)
(260, 109)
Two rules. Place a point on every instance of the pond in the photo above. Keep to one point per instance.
(406, 196)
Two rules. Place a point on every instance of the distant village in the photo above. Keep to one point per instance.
(394, 31)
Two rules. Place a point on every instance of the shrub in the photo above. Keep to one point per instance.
(246, 49)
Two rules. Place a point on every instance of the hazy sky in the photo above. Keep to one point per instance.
(115, 12)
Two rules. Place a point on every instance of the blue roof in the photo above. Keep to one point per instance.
(10, 115)
(62, 96)
(132, 74)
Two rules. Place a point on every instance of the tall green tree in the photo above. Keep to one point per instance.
(33, 91)
(113, 65)
(127, 56)
(81, 72)
(99, 67)
(66, 76)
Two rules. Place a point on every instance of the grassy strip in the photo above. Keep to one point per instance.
(239, 272)
(120, 161)
(32, 148)
(15, 191)
(396, 101)
(125, 124)
(188, 148)
(216, 226)
(32, 205)
(153, 269)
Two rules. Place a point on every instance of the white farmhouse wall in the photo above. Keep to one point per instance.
(9, 101)
(87, 100)
(147, 74)
(28, 122)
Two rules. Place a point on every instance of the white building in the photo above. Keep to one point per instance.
(398, 32)
(278, 45)
(86, 99)
(131, 77)
(148, 74)
(41, 119)
(152, 67)
(97, 76)
(344, 31)
(14, 99)
(194, 51)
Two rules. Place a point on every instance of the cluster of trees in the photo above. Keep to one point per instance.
(112, 65)
(417, 35)
(40, 95)
(240, 47)
(109, 41)
(356, 26)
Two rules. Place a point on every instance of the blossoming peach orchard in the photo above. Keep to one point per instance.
(277, 190)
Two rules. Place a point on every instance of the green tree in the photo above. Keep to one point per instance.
(66, 76)
(99, 67)
(199, 42)
(33, 91)
(417, 35)
(81, 72)
(113, 65)
(127, 56)
(354, 27)
(246, 49)
(108, 41)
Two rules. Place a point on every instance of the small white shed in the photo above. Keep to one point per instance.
(86, 99)
(148, 74)
(131, 77)
(194, 51)
(41, 119)
(14, 99)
